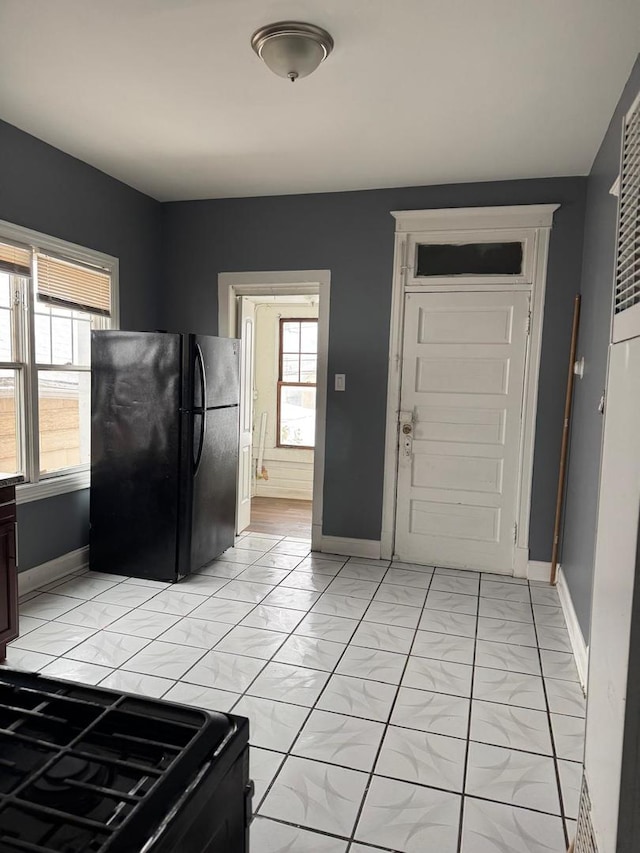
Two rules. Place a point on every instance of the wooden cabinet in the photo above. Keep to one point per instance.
(8, 569)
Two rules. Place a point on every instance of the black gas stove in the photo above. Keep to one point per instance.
(88, 770)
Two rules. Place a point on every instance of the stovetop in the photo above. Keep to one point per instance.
(88, 770)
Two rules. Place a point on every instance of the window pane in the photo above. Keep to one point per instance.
(61, 340)
(290, 364)
(291, 337)
(62, 336)
(5, 290)
(469, 259)
(64, 409)
(43, 338)
(297, 416)
(5, 335)
(9, 432)
(82, 325)
(309, 337)
(308, 368)
(6, 311)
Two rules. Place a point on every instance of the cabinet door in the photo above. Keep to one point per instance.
(8, 583)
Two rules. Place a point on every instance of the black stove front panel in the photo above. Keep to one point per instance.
(85, 770)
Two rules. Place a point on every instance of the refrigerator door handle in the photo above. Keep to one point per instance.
(203, 426)
(203, 378)
(203, 411)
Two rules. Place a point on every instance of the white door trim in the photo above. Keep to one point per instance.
(289, 283)
(246, 331)
(478, 223)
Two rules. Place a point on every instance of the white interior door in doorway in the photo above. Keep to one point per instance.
(246, 332)
(463, 368)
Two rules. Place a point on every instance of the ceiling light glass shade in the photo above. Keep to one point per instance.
(292, 49)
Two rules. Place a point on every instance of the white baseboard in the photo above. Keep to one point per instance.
(48, 572)
(351, 547)
(580, 649)
(538, 571)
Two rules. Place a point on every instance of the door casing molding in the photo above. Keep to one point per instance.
(460, 225)
(289, 283)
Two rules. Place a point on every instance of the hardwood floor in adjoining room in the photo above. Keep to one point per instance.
(281, 516)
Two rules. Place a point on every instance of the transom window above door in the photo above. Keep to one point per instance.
(454, 259)
(297, 382)
(475, 257)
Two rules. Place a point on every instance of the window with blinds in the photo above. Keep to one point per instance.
(70, 285)
(15, 260)
(50, 302)
(627, 274)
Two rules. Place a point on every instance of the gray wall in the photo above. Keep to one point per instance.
(352, 235)
(586, 434)
(44, 189)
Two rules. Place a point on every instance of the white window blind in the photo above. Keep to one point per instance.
(73, 285)
(628, 261)
(15, 259)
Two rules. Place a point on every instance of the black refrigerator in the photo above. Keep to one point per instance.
(164, 452)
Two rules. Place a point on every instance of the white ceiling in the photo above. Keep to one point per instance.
(168, 96)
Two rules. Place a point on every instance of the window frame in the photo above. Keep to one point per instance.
(283, 384)
(38, 485)
(525, 236)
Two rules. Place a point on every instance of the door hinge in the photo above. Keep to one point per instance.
(527, 325)
(515, 533)
(18, 297)
(603, 402)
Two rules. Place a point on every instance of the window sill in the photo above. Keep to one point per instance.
(52, 486)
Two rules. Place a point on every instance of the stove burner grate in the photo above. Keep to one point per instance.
(87, 770)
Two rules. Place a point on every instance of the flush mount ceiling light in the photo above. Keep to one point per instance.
(292, 49)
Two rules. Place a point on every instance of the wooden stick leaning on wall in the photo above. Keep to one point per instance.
(564, 451)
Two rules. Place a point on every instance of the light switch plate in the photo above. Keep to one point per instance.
(340, 381)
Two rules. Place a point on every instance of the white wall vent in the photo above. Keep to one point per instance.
(626, 322)
(585, 840)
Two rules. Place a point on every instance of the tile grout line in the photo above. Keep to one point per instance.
(233, 625)
(208, 597)
(352, 839)
(179, 617)
(182, 616)
(288, 753)
(549, 723)
(468, 745)
(290, 633)
(138, 607)
(244, 693)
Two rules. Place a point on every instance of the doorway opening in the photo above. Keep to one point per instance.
(283, 378)
(282, 322)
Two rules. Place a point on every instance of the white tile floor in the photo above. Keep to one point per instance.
(398, 708)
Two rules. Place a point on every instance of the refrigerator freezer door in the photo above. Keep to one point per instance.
(135, 447)
(214, 485)
(221, 383)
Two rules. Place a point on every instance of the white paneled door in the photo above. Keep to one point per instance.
(463, 370)
(246, 333)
